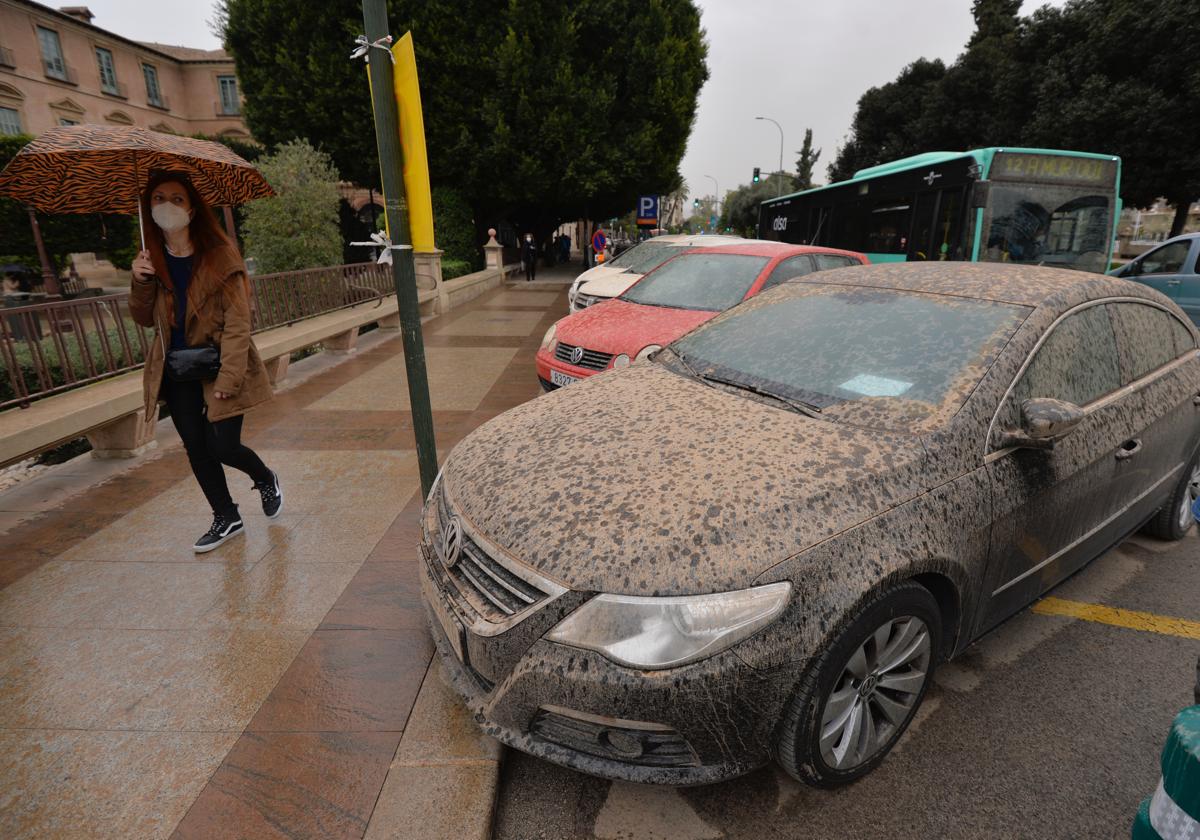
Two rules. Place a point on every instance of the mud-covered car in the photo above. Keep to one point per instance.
(760, 542)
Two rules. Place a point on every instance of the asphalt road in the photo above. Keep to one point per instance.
(1049, 727)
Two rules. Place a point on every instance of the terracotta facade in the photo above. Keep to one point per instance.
(39, 89)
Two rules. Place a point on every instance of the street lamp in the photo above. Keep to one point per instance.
(716, 196)
(777, 125)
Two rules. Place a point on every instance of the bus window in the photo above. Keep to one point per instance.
(945, 232)
(887, 227)
(1048, 224)
(920, 243)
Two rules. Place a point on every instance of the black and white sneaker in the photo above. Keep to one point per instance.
(272, 496)
(223, 528)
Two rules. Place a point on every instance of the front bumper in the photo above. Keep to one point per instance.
(545, 363)
(700, 723)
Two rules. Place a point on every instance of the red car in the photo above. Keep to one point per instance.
(671, 300)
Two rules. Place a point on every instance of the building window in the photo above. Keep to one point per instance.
(229, 95)
(108, 70)
(153, 93)
(52, 57)
(65, 121)
(10, 121)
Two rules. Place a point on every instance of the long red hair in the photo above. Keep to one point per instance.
(209, 241)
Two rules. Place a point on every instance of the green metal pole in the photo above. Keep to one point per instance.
(387, 135)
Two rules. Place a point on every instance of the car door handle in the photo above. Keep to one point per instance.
(1128, 449)
(1174, 282)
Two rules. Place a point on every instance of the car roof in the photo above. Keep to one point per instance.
(766, 248)
(1026, 285)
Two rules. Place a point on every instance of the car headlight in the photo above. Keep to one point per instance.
(655, 633)
(548, 338)
(645, 352)
(621, 361)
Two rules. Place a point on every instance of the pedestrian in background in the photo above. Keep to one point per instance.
(529, 257)
(564, 248)
(190, 285)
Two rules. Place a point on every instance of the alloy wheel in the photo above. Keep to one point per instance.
(876, 692)
(1189, 499)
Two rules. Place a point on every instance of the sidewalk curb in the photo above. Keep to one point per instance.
(444, 778)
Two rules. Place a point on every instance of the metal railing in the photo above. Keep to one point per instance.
(47, 348)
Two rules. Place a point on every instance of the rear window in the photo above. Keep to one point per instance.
(645, 257)
(698, 280)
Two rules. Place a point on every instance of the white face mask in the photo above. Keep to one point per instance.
(170, 217)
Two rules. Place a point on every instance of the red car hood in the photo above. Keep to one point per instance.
(617, 326)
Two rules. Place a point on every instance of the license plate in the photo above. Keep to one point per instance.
(561, 379)
(450, 625)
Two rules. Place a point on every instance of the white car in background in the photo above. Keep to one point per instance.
(611, 278)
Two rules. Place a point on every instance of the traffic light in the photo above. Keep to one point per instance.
(756, 178)
(695, 202)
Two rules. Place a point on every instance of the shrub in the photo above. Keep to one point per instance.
(455, 268)
(298, 227)
(454, 228)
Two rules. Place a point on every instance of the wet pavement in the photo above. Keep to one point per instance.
(1050, 727)
(260, 690)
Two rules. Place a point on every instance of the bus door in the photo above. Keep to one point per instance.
(937, 226)
(820, 226)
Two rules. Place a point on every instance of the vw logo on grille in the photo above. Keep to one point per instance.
(451, 545)
(577, 355)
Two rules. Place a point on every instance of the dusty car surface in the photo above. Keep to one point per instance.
(674, 298)
(761, 542)
(609, 279)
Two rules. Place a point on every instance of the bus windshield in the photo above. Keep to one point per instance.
(1050, 210)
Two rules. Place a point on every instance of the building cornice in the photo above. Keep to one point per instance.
(47, 11)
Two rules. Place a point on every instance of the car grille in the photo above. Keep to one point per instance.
(490, 590)
(592, 359)
(658, 747)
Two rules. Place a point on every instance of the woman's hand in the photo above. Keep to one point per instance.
(222, 395)
(143, 269)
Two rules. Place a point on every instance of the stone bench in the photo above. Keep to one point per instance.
(110, 412)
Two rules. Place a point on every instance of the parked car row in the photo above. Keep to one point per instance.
(816, 483)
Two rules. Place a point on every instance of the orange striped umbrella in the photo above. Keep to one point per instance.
(104, 168)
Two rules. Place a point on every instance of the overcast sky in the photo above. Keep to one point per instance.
(803, 63)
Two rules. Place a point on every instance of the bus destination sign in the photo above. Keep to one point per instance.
(1053, 169)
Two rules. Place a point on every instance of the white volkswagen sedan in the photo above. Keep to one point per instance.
(613, 277)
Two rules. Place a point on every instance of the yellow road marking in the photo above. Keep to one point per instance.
(1132, 619)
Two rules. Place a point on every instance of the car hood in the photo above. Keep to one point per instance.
(617, 326)
(598, 272)
(609, 285)
(646, 482)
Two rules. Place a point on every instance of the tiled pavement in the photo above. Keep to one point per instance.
(260, 690)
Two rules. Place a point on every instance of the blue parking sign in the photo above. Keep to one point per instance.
(647, 210)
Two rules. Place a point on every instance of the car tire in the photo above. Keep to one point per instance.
(799, 747)
(1174, 519)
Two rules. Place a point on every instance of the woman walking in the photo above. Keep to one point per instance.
(190, 285)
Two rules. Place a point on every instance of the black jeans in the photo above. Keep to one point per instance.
(209, 445)
(530, 270)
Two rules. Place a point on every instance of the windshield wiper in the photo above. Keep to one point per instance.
(684, 363)
(803, 407)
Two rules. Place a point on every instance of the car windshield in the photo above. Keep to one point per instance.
(872, 357)
(645, 256)
(698, 280)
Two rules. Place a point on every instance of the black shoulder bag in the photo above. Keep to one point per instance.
(191, 364)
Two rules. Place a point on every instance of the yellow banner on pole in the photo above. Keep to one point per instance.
(412, 142)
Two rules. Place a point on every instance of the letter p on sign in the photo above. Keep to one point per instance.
(647, 210)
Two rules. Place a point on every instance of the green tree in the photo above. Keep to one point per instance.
(889, 122)
(1108, 76)
(740, 211)
(298, 227)
(806, 162)
(534, 110)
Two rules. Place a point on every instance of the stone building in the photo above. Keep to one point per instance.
(59, 68)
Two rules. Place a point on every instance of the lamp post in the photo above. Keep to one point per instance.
(716, 197)
(777, 125)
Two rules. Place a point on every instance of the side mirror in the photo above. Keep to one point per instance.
(1133, 269)
(1044, 422)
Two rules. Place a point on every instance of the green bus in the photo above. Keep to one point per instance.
(1030, 206)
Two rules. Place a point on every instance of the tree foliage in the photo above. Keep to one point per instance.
(535, 110)
(1108, 76)
(741, 205)
(298, 227)
(806, 162)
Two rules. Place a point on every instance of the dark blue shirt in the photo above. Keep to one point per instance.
(181, 275)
